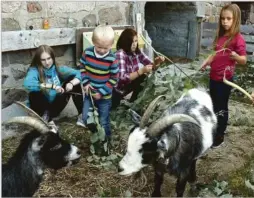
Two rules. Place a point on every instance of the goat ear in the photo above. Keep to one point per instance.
(38, 143)
(135, 117)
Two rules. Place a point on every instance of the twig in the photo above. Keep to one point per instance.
(234, 85)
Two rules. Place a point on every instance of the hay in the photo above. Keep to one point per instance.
(85, 179)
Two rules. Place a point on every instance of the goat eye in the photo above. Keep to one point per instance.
(56, 147)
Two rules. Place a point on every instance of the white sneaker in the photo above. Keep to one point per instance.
(80, 121)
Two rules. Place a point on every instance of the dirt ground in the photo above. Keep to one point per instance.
(88, 180)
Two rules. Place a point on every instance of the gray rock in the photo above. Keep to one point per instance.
(20, 57)
(111, 16)
(89, 20)
(9, 24)
(5, 60)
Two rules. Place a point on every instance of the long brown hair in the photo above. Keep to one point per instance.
(235, 29)
(36, 61)
(125, 40)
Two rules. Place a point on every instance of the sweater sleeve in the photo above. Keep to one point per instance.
(67, 72)
(113, 79)
(82, 69)
(31, 81)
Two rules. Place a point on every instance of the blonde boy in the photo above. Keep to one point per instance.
(99, 70)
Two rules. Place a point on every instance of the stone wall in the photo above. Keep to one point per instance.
(26, 15)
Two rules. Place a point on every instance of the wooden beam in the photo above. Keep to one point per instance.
(29, 39)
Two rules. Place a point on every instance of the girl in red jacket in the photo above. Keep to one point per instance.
(230, 49)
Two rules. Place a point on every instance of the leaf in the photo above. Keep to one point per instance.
(89, 159)
(127, 193)
(94, 138)
(92, 149)
(90, 120)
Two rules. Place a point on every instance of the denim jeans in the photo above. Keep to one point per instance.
(220, 93)
(103, 106)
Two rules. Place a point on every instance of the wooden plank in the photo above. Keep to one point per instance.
(192, 40)
(249, 38)
(29, 39)
(79, 38)
(250, 47)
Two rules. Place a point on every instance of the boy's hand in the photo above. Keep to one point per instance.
(59, 89)
(97, 96)
(87, 87)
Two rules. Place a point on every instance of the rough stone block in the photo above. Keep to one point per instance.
(5, 60)
(9, 96)
(18, 73)
(208, 10)
(33, 7)
(60, 50)
(89, 20)
(10, 7)
(9, 24)
(112, 16)
(20, 57)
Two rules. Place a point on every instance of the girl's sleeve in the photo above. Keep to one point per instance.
(144, 59)
(31, 81)
(241, 46)
(67, 72)
(124, 76)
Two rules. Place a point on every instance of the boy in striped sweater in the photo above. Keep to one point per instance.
(99, 71)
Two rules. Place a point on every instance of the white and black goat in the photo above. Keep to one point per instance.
(39, 149)
(174, 142)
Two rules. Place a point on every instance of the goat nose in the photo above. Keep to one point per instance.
(78, 152)
(120, 169)
(161, 144)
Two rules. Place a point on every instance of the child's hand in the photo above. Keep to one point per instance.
(234, 55)
(97, 96)
(159, 59)
(87, 87)
(147, 69)
(68, 87)
(203, 67)
(59, 89)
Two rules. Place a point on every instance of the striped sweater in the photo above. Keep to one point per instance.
(101, 73)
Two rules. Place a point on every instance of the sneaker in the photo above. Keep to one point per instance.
(45, 116)
(219, 141)
(80, 121)
(53, 126)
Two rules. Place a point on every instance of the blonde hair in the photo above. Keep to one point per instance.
(103, 32)
(234, 8)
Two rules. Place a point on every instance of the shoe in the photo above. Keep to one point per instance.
(53, 126)
(80, 121)
(219, 141)
(45, 116)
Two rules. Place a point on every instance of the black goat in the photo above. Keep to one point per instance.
(39, 149)
(174, 142)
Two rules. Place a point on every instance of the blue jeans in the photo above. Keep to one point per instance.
(103, 106)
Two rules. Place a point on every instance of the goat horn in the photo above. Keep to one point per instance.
(31, 112)
(149, 111)
(165, 122)
(30, 121)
